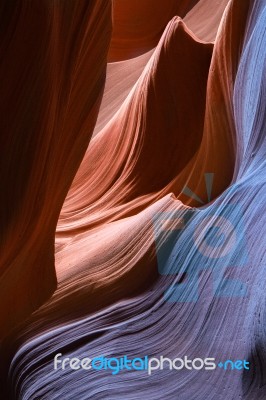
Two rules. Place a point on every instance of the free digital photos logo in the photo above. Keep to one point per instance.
(149, 364)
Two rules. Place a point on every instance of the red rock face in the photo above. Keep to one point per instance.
(217, 151)
(51, 104)
(149, 152)
(204, 18)
(52, 81)
(174, 125)
(138, 25)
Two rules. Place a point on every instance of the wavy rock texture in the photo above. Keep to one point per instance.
(49, 109)
(204, 18)
(130, 281)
